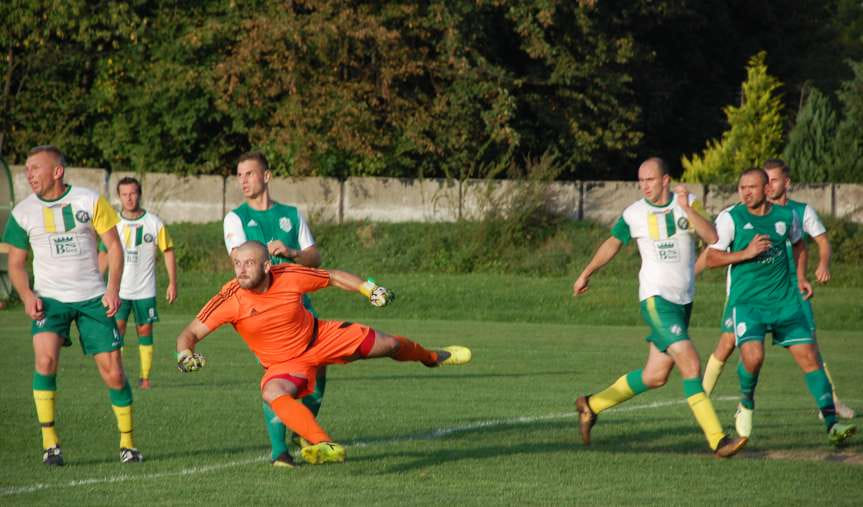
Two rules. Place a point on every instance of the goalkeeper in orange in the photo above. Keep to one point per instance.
(264, 303)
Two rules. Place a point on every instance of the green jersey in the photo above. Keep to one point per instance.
(281, 222)
(764, 281)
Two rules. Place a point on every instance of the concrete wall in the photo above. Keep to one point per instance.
(207, 198)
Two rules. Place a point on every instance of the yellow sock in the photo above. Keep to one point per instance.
(613, 395)
(45, 413)
(146, 352)
(124, 424)
(711, 374)
(706, 417)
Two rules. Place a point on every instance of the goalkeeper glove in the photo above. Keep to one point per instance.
(188, 361)
(378, 296)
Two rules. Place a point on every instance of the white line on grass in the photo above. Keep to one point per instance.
(437, 433)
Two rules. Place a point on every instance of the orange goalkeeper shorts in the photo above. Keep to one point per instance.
(334, 344)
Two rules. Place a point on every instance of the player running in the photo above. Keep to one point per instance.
(264, 305)
(62, 224)
(665, 228)
(141, 234)
(762, 295)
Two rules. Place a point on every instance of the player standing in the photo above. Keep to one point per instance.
(62, 224)
(665, 228)
(288, 238)
(763, 296)
(141, 234)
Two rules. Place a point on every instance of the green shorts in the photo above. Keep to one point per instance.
(98, 332)
(727, 325)
(145, 310)
(669, 322)
(788, 325)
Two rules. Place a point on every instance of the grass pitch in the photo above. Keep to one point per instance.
(500, 430)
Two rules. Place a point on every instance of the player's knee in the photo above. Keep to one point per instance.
(653, 381)
(46, 365)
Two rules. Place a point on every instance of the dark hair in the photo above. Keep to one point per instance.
(257, 156)
(128, 180)
(755, 170)
(777, 163)
(49, 148)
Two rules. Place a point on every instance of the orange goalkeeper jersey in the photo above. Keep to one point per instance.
(274, 324)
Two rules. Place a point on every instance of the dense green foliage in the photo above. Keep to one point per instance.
(809, 151)
(455, 89)
(754, 133)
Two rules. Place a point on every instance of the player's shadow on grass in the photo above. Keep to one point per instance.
(433, 373)
(155, 456)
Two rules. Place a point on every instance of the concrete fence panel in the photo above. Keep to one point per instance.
(849, 201)
(319, 199)
(604, 201)
(400, 200)
(819, 196)
(720, 197)
(482, 197)
(175, 198)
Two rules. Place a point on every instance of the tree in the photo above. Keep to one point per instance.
(809, 151)
(847, 163)
(754, 134)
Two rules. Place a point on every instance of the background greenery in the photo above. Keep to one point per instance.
(458, 89)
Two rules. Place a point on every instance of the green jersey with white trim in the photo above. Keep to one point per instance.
(764, 281)
(666, 242)
(281, 222)
(64, 235)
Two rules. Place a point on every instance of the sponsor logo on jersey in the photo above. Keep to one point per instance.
(747, 226)
(64, 245)
(148, 238)
(780, 228)
(82, 216)
(285, 224)
(683, 223)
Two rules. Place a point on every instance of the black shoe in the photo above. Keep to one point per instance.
(130, 455)
(53, 456)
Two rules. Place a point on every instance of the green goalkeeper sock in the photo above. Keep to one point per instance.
(748, 381)
(822, 391)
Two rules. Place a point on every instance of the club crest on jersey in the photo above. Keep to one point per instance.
(683, 223)
(285, 224)
(741, 328)
(148, 238)
(780, 228)
(82, 216)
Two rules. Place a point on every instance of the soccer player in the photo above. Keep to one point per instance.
(141, 234)
(779, 180)
(665, 227)
(63, 224)
(288, 238)
(763, 295)
(265, 305)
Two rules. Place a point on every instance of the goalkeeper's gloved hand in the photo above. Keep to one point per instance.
(378, 296)
(188, 361)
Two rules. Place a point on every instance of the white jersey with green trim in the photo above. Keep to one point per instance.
(64, 236)
(666, 242)
(140, 238)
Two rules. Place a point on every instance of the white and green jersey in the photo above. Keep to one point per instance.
(764, 281)
(280, 222)
(666, 242)
(140, 238)
(64, 236)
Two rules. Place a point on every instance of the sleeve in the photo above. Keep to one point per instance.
(796, 232)
(14, 234)
(303, 279)
(233, 231)
(163, 239)
(220, 309)
(304, 235)
(621, 231)
(725, 231)
(104, 216)
(811, 223)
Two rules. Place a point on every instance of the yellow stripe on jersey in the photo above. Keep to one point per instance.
(163, 239)
(48, 219)
(652, 226)
(127, 236)
(104, 216)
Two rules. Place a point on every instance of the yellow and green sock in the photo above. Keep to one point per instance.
(121, 403)
(703, 411)
(44, 391)
(621, 390)
(145, 350)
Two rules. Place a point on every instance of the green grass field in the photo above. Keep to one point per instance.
(500, 430)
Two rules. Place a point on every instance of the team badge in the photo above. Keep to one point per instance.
(148, 238)
(741, 328)
(682, 223)
(285, 224)
(82, 216)
(676, 330)
(780, 228)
